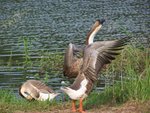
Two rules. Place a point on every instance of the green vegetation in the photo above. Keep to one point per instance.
(131, 77)
(10, 103)
(130, 74)
(47, 62)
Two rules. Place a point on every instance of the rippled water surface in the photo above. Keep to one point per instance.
(49, 26)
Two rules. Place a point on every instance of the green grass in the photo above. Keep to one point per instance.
(130, 74)
(10, 103)
(131, 77)
(49, 63)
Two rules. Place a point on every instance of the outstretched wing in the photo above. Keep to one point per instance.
(72, 57)
(72, 53)
(98, 54)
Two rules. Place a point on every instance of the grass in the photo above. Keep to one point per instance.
(130, 74)
(131, 77)
(47, 62)
(10, 103)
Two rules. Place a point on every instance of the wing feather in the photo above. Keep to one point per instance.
(72, 60)
(40, 87)
(97, 54)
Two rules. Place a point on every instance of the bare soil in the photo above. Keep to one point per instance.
(129, 107)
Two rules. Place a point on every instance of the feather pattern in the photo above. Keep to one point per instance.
(95, 56)
(72, 63)
(34, 89)
(40, 87)
(73, 58)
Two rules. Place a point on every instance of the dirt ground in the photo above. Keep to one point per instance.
(129, 107)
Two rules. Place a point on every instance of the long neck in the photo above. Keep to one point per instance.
(91, 35)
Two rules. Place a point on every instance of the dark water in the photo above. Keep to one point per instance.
(50, 25)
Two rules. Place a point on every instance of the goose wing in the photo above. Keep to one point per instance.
(97, 54)
(73, 54)
(73, 58)
(38, 86)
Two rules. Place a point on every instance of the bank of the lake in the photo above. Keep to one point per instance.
(130, 74)
(34, 31)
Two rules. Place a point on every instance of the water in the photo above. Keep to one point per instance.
(50, 26)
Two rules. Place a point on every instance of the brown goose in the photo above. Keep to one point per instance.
(95, 56)
(36, 90)
(72, 62)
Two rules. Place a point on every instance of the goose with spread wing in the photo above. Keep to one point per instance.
(72, 62)
(36, 90)
(95, 56)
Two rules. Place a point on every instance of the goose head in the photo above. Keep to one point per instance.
(25, 94)
(95, 28)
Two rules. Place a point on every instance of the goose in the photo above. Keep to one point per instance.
(95, 56)
(72, 62)
(36, 90)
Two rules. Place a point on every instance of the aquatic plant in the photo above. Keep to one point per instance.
(48, 63)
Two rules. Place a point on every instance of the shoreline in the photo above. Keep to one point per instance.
(128, 107)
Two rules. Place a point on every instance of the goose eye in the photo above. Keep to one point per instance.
(27, 93)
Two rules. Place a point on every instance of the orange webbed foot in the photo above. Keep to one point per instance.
(73, 106)
(81, 106)
(73, 110)
(82, 111)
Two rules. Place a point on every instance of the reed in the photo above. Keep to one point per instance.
(131, 79)
(129, 73)
(47, 62)
(135, 81)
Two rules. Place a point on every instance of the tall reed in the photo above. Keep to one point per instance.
(131, 79)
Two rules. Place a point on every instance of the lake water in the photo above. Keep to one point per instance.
(49, 26)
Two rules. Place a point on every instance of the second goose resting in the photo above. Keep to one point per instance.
(36, 90)
(95, 56)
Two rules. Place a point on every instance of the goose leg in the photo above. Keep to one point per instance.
(73, 106)
(81, 106)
